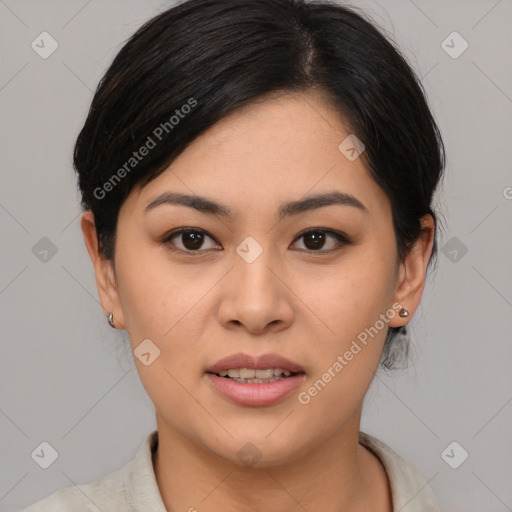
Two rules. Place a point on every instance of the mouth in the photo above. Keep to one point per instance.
(255, 392)
(255, 381)
(261, 369)
(253, 376)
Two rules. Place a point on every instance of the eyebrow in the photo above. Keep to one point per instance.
(210, 207)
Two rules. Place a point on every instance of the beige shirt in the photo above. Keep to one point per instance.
(133, 488)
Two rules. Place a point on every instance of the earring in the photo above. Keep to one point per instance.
(404, 313)
(111, 320)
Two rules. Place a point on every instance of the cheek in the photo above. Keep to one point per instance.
(148, 292)
(353, 304)
(351, 296)
(162, 305)
(163, 302)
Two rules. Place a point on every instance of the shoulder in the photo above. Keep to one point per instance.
(106, 494)
(409, 490)
(129, 489)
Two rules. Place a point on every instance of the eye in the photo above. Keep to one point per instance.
(191, 239)
(314, 240)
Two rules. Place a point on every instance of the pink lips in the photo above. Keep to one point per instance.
(255, 395)
(263, 362)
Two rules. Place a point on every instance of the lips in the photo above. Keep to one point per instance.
(255, 395)
(263, 362)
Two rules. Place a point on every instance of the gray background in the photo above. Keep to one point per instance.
(67, 378)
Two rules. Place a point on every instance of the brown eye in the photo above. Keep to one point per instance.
(315, 240)
(192, 240)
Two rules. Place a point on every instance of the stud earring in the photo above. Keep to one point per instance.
(404, 313)
(111, 320)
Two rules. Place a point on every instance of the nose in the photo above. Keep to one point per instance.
(255, 295)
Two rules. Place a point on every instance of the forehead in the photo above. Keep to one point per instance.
(280, 148)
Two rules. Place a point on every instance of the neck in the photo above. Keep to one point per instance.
(338, 474)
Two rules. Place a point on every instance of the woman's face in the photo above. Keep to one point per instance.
(254, 283)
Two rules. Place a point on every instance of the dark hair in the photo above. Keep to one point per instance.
(200, 60)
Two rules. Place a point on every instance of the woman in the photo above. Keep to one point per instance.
(257, 179)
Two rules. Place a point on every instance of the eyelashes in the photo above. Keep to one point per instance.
(192, 239)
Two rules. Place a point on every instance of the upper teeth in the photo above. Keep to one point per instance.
(246, 373)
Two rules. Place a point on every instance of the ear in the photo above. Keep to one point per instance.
(412, 272)
(105, 275)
